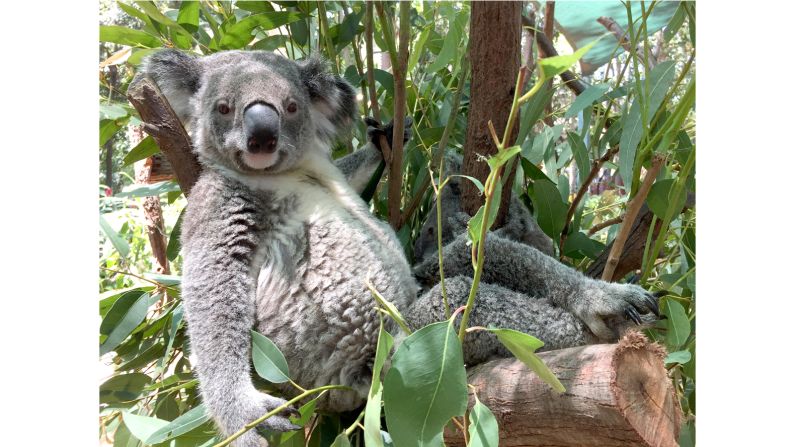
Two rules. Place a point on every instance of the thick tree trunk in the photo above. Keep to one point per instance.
(494, 53)
(162, 123)
(616, 395)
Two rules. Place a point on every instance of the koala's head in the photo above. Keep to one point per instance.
(254, 111)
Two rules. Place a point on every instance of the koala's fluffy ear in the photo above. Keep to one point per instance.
(178, 76)
(333, 99)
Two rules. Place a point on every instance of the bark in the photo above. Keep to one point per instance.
(162, 123)
(616, 395)
(395, 185)
(153, 212)
(495, 59)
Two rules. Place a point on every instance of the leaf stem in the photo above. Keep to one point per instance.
(277, 410)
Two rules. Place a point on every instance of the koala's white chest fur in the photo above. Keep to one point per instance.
(314, 267)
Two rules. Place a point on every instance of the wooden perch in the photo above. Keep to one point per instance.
(162, 123)
(616, 395)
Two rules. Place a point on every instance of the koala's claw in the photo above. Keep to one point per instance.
(651, 301)
(633, 315)
(375, 130)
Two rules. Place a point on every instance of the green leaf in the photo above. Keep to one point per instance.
(533, 172)
(138, 54)
(549, 208)
(449, 48)
(680, 357)
(632, 125)
(239, 34)
(188, 17)
(254, 6)
(389, 308)
(341, 441)
(270, 43)
(385, 79)
(155, 189)
(474, 226)
(483, 428)
(118, 242)
(678, 325)
(580, 155)
(173, 247)
(660, 80)
(122, 388)
(343, 34)
(108, 128)
(183, 424)
(149, 355)
(501, 157)
(112, 112)
(474, 181)
(523, 347)
(372, 411)
(549, 67)
(126, 36)
(146, 148)
(586, 98)
(122, 318)
(269, 362)
(142, 427)
(426, 386)
(419, 46)
(166, 280)
(579, 243)
(659, 200)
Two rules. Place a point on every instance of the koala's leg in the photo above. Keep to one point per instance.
(525, 269)
(359, 166)
(499, 307)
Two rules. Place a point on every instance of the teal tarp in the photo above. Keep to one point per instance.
(577, 21)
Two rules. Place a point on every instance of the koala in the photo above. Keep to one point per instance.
(276, 238)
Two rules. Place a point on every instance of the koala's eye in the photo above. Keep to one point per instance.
(292, 107)
(223, 108)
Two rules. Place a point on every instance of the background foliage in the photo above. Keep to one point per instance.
(149, 396)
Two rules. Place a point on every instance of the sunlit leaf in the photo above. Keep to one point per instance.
(122, 388)
(142, 427)
(680, 357)
(549, 67)
(183, 424)
(426, 386)
(523, 347)
(119, 243)
(146, 148)
(239, 34)
(483, 428)
(127, 36)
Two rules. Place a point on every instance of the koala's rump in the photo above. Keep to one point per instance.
(321, 315)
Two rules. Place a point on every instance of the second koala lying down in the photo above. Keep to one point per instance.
(276, 238)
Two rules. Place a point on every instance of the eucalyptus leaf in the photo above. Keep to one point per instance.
(123, 317)
(678, 325)
(549, 67)
(483, 428)
(146, 148)
(239, 34)
(425, 386)
(173, 247)
(580, 155)
(372, 411)
(680, 357)
(269, 362)
(523, 347)
(142, 427)
(449, 49)
(122, 388)
(549, 208)
(127, 36)
(155, 189)
(586, 98)
(183, 424)
(659, 200)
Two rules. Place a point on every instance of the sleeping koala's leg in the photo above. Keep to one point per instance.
(499, 307)
(360, 166)
(515, 266)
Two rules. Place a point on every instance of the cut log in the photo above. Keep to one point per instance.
(616, 395)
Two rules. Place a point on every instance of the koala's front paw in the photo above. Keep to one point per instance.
(375, 130)
(606, 308)
(254, 407)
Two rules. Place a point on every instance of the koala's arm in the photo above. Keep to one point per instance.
(360, 166)
(525, 269)
(219, 240)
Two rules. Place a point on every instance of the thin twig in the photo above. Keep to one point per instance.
(629, 218)
(596, 228)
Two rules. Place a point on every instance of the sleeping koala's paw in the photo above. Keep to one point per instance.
(254, 407)
(608, 309)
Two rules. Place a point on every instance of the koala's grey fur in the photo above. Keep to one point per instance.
(286, 246)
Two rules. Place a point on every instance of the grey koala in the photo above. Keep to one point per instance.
(276, 238)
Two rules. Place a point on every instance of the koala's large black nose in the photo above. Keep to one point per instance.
(261, 123)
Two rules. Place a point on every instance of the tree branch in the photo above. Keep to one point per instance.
(396, 166)
(629, 218)
(162, 123)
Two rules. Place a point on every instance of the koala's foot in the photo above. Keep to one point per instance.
(607, 308)
(375, 130)
(254, 407)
